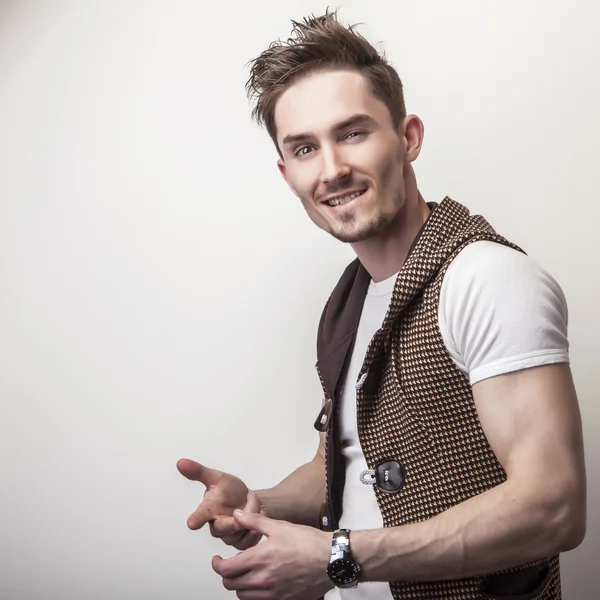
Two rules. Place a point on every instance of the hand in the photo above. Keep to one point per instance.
(224, 493)
(290, 564)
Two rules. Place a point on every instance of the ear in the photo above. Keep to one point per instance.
(413, 131)
(283, 170)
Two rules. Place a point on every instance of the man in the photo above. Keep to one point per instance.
(450, 463)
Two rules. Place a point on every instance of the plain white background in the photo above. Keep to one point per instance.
(161, 287)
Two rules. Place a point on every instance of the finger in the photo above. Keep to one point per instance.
(252, 505)
(232, 539)
(200, 517)
(216, 563)
(242, 539)
(255, 522)
(236, 566)
(197, 472)
(250, 582)
(253, 595)
(249, 539)
(223, 526)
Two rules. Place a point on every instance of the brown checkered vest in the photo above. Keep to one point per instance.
(416, 408)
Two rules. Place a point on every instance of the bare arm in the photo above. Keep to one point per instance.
(298, 498)
(532, 421)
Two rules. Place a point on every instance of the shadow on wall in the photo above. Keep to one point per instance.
(32, 21)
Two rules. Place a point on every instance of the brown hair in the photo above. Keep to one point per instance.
(319, 44)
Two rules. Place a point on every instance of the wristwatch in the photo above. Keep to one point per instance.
(343, 570)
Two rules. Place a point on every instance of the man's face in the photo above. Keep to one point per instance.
(342, 155)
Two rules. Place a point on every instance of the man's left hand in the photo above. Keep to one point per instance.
(289, 565)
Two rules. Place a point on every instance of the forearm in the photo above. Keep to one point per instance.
(298, 498)
(489, 532)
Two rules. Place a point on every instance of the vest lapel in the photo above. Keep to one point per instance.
(440, 234)
(338, 325)
(340, 318)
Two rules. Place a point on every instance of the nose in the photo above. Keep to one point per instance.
(334, 166)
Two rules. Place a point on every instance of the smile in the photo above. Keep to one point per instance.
(344, 199)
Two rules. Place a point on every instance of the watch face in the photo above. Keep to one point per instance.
(343, 571)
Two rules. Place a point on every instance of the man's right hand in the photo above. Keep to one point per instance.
(224, 493)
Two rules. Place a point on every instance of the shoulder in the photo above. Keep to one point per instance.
(500, 310)
(498, 271)
(475, 260)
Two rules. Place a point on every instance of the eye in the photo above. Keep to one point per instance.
(352, 135)
(301, 151)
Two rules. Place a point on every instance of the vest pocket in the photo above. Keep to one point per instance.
(531, 583)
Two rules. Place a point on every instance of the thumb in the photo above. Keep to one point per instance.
(252, 506)
(197, 472)
(254, 522)
(252, 503)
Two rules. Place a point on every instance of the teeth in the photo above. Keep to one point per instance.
(345, 199)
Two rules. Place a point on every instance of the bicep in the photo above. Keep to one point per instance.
(532, 421)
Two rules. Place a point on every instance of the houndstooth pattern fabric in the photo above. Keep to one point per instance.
(417, 407)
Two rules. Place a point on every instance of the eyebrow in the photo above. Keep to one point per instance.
(353, 120)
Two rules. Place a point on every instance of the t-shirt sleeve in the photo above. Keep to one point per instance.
(501, 312)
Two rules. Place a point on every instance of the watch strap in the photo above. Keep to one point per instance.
(341, 553)
(340, 543)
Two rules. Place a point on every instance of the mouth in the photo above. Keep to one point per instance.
(342, 200)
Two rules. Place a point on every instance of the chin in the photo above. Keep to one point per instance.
(359, 232)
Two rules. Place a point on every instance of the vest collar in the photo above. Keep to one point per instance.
(339, 321)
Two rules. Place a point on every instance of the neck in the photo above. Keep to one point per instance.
(384, 255)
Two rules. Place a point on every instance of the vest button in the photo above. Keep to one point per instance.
(389, 476)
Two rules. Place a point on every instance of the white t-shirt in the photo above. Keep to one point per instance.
(499, 312)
